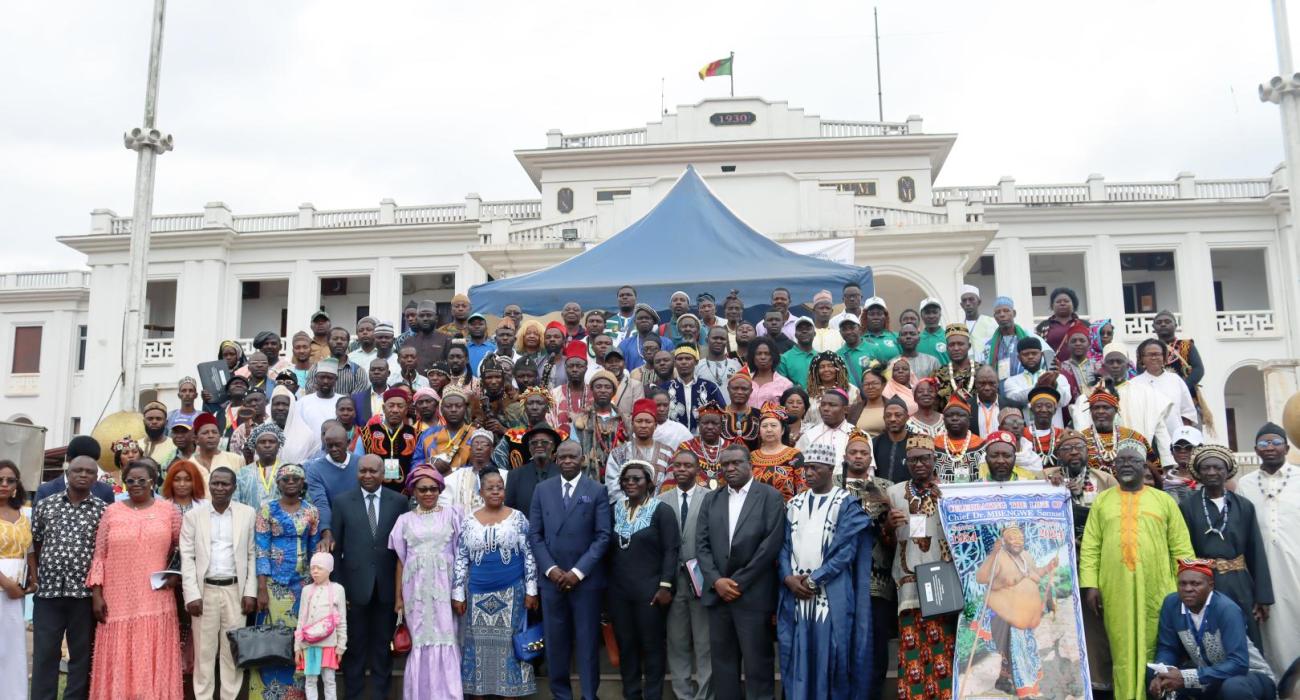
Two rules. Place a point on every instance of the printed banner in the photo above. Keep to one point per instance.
(1021, 631)
(838, 250)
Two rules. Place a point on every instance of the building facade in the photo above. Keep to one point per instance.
(1219, 253)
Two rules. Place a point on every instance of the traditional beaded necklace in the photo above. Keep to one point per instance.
(1208, 521)
(1105, 454)
(1280, 489)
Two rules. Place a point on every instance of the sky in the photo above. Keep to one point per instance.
(343, 104)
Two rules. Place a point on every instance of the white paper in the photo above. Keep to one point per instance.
(158, 579)
(916, 525)
(1158, 668)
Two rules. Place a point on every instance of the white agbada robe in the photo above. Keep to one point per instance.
(1277, 510)
(1173, 388)
(1141, 408)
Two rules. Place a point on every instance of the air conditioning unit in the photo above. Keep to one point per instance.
(569, 234)
(449, 280)
(333, 286)
(252, 289)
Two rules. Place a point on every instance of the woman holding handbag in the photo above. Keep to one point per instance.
(495, 570)
(425, 542)
(286, 533)
(15, 541)
(322, 634)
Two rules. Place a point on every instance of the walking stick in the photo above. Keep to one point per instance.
(979, 622)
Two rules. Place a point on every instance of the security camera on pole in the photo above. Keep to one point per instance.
(148, 142)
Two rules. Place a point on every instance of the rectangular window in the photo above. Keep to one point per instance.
(609, 195)
(81, 347)
(27, 350)
(864, 188)
(76, 425)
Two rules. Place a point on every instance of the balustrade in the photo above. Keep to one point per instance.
(1245, 324)
(157, 351)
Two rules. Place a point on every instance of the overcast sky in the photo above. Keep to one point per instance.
(343, 103)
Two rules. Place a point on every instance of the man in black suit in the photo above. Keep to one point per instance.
(541, 441)
(367, 568)
(569, 530)
(738, 537)
(372, 397)
(79, 446)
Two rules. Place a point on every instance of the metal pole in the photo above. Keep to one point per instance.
(880, 96)
(732, 74)
(1284, 90)
(148, 143)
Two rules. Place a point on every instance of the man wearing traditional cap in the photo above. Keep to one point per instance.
(317, 407)
(363, 349)
(155, 443)
(645, 322)
(572, 397)
(598, 428)
(999, 453)
(823, 620)
(794, 363)
(1141, 408)
(642, 447)
(446, 445)
(1225, 533)
(979, 328)
(741, 420)
(1002, 350)
(430, 343)
(707, 446)
(707, 306)
(1132, 542)
(534, 406)
(958, 376)
(320, 336)
(391, 438)
(925, 645)
(349, 377)
(459, 317)
(882, 343)
(629, 391)
(1184, 360)
(488, 405)
(958, 452)
(1104, 433)
(1274, 490)
(1035, 372)
(825, 335)
(1203, 643)
(1041, 430)
(688, 392)
(541, 440)
(933, 342)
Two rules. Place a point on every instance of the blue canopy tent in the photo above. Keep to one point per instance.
(691, 242)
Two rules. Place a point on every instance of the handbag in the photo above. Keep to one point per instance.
(261, 645)
(315, 630)
(528, 640)
(401, 645)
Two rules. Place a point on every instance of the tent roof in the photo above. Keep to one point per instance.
(691, 242)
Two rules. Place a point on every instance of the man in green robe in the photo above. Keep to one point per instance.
(1128, 563)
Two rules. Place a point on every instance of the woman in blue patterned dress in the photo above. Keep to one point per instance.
(286, 532)
(495, 587)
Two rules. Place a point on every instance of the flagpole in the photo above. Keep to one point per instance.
(880, 96)
(732, 74)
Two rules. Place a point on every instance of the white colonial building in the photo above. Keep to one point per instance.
(1220, 253)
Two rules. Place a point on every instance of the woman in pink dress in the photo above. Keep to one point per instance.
(137, 642)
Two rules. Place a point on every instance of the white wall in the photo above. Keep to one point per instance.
(988, 286)
(1052, 271)
(1244, 277)
(264, 312)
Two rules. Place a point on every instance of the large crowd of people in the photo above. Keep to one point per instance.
(708, 500)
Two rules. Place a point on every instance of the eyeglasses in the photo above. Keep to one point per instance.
(138, 481)
(427, 489)
(631, 479)
(1271, 442)
(7, 481)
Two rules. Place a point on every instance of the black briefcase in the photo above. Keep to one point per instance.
(939, 588)
(261, 645)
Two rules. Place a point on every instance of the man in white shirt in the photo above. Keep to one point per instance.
(1151, 357)
(688, 620)
(781, 303)
(834, 428)
(980, 327)
(1033, 374)
(1141, 408)
(218, 581)
(852, 298)
(669, 432)
(316, 408)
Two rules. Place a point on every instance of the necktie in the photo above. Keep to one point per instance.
(686, 507)
(372, 514)
(568, 494)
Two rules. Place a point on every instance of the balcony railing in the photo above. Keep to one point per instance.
(54, 279)
(838, 128)
(864, 215)
(431, 214)
(582, 229)
(986, 193)
(604, 139)
(515, 211)
(157, 351)
(1246, 324)
(1096, 189)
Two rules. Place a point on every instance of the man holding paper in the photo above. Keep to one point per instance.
(688, 620)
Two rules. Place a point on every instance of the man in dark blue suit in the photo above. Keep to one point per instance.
(361, 522)
(368, 398)
(79, 446)
(569, 529)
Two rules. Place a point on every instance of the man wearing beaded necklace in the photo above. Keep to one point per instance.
(1084, 484)
(642, 447)
(1274, 490)
(1103, 435)
(1131, 544)
(715, 366)
(913, 524)
(958, 376)
(1139, 406)
(709, 444)
(599, 428)
(1225, 533)
(957, 450)
(572, 397)
(1042, 433)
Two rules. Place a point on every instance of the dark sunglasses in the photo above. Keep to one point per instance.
(427, 489)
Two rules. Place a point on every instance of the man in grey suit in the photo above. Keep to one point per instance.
(688, 621)
(738, 537)
(218, 581)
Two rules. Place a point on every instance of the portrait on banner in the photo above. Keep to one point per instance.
(1020, 634)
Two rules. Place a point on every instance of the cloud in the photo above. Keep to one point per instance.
(343, 104)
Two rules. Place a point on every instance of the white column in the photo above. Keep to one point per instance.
(1280, 384)
(1195, 280)
(1011, 272)
(304, 297)
(468, 274)
(385, 291)
(1105, 295)
(104, 359)
(194, 318)
(61, 332)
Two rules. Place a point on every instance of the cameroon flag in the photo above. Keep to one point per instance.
(719, 67)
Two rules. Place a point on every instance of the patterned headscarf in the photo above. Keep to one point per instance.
(1095, 351)
(263, 429)
(1205, 452)
(538, 391)
(771, 409)
(1131, 443)
(239, 352)
(287, 470)
(815, 386)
